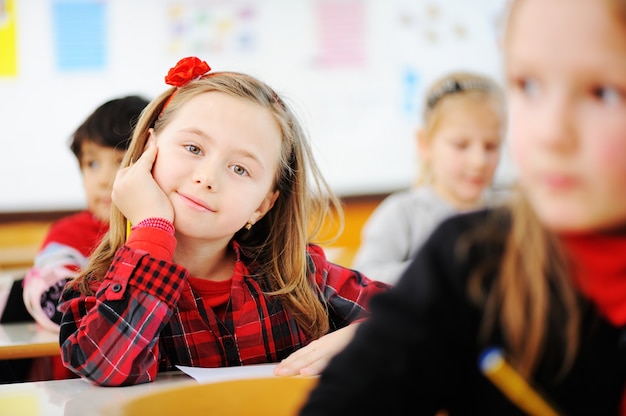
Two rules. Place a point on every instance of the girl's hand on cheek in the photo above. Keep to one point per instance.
(137, 195)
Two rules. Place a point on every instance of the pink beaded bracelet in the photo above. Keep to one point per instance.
(156, 222)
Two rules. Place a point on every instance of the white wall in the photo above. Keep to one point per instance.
(360, 117)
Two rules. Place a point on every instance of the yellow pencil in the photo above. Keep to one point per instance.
(513, 385)
(128, 227)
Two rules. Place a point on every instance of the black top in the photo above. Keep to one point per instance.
(418, 352)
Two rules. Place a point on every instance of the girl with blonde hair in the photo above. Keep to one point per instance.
(208, 261)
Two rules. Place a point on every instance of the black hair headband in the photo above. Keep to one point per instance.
(453, 86)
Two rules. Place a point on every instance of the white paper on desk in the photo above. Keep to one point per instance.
(205, 375)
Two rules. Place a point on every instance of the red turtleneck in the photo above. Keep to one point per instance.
(599, 262)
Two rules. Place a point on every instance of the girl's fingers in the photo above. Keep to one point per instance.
(146, 160)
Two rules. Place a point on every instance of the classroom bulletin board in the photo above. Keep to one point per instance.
(354, 70)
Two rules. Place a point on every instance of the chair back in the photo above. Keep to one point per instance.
(276, 396)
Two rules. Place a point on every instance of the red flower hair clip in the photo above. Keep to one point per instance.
(186, 70)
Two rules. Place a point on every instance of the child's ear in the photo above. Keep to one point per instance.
(265, 206)
(151, 138)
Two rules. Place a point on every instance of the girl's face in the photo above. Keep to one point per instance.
(217, 160)
(98, 166)
(463, 151)
(566, 76)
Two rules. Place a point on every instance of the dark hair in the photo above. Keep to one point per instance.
(110, 125)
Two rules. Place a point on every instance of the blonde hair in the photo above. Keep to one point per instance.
(277, 244)
(532, 285)
(468, 88)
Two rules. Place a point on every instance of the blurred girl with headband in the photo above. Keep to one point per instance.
(459, 149)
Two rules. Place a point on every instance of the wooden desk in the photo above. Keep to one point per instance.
(75, 397)
(20, 241)
(23, 339)
(27, 340)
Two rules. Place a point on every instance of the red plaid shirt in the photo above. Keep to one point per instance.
(145, 316)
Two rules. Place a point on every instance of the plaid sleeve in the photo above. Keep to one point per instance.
(346, 291)
(111, 338)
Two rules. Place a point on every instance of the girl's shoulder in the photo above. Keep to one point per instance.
(460, 244)
(345, 281)
(414, 201)
(489, 220)
(316, 255)
(482, 232)
(78, 219)
(317, 261)
(80, 230)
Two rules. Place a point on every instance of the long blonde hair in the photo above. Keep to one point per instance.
(277, 244)
(532, 286)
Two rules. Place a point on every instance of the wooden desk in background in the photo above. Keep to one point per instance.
(27, 340)
(19, 242)
(21, 233)
(23, 339)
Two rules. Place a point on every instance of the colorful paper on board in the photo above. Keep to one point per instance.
(79, 34)
(341, 28)
(8, 40)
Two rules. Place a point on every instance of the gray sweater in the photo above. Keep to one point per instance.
(396, 230)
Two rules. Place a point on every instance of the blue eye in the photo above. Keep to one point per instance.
(239, 170)
(193, 149)
(530, 87)
(608, 94)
